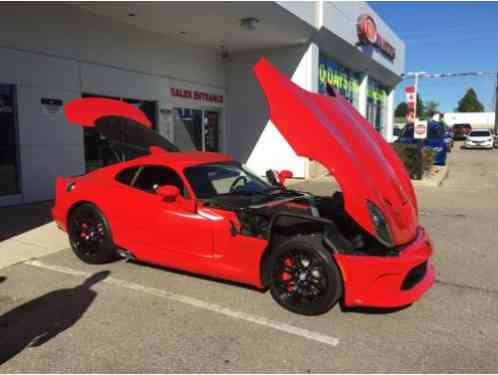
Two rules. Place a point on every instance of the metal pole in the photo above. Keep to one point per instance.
(420, 142)
(496, 105)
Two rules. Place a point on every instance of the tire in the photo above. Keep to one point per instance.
(90, 235)
(304, 277)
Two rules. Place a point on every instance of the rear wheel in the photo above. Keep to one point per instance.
(90, 236)
(304, 277)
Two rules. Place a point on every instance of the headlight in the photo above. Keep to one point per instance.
(382, 230)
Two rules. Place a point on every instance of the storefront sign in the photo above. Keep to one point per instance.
(51, 106)
(196, 95)
(339, 77)
(368, 34)
(411, 97)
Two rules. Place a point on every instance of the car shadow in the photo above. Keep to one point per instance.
(372, 310)
(41, 319)
(197, 276)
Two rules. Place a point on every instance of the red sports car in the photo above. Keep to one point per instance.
(206, 213)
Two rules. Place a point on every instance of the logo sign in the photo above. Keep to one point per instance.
(420, 130)
(368, 34)
(51, 106)
(196, 95)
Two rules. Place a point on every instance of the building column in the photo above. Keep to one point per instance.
(389, 119)
(363, 95)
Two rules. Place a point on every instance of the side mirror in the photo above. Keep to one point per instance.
(284, 175)
(272, 177)
(168, 193)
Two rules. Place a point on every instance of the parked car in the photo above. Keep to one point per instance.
(460, 131)
(448, 136)
(436, 138)
(205, 213)
(396, 134)
(480, 138)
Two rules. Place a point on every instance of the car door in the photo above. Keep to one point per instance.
(167, 233)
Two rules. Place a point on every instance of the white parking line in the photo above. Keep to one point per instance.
(279, 326)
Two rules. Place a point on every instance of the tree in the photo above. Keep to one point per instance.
(401, 110)
(421, 112)
(431, 107)
(470, 103)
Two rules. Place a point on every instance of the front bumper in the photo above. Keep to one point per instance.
(480, 145)
(389, 281)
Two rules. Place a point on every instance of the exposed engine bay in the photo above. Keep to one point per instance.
(292, 213)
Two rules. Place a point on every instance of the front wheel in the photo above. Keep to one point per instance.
(304, 277)
(90, 236)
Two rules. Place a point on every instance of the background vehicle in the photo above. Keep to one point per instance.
(436, 138)
(205, 213)
(448, 135)
(480, 138)
(460, 131)
(396, 134)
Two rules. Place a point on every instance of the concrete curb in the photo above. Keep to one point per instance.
(435, 179)
(41, 241)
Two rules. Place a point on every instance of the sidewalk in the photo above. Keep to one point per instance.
(28, 232)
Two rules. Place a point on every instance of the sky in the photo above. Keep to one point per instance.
(446, 37)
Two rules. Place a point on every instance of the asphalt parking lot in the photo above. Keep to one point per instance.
(60, 315)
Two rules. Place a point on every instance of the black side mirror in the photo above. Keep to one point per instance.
(272, 177)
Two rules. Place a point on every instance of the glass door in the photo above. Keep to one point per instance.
(196, 129)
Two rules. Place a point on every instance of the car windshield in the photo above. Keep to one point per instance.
(212, 180)
(481, 133)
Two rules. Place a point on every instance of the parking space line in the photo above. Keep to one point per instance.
(279, 326)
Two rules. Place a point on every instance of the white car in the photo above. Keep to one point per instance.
(479, 138)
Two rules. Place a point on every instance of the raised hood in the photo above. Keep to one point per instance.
(120, 122)
(328, 129)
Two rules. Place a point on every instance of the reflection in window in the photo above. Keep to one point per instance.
(97, 151)
(8, 141)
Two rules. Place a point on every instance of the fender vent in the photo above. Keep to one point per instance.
(414, 276)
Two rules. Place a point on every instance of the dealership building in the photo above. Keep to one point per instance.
(188, 66)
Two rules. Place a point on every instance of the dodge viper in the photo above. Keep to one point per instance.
(207, 214)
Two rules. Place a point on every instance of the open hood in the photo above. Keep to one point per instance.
(120, 122)
(328, 129)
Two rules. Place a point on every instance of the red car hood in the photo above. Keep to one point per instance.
(329, 130)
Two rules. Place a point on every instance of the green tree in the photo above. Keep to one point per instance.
(421, 111)
(470, 103)
(431, 107)
(401, 110)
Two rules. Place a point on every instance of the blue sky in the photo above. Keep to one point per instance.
(446, 37)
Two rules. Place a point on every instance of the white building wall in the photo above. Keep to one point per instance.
(252, 138)
(476, 119)
(75, 52)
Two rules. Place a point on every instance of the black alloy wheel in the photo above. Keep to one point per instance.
(89, 235)
(304, 277)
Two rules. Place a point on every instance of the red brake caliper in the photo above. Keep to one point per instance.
(286, 276)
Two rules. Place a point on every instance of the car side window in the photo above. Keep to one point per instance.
(152, 177)
(126, 176)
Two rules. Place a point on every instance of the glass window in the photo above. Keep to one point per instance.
(126, 176)
(376, 104)
(211, 180)
(340, 78)
(8, 141)
(97, 152)
(152, 177)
